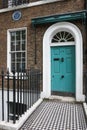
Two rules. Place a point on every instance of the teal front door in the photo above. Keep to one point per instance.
(63, 69)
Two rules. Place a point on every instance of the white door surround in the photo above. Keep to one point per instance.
(50, 32)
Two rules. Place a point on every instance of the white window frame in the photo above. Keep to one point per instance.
(9, 44)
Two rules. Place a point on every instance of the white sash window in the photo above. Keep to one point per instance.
(17, 50)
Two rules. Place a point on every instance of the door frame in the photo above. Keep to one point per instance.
(50, 32)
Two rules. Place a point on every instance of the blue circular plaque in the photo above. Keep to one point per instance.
(16, 15)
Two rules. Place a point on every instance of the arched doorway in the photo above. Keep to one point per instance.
(62, 29)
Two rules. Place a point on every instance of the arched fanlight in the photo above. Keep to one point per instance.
(63, 36)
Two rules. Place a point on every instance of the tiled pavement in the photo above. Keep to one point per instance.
(56, 115)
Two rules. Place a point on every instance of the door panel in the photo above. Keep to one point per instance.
(63, 69)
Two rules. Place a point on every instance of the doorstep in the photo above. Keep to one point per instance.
(63, 98)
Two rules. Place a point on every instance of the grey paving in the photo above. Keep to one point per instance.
(55, 115)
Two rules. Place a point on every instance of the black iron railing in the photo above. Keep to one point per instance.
(86, 87)
(11, 3)
(19, 92)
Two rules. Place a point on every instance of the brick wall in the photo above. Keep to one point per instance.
(6, 23)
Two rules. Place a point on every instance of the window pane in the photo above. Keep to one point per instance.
(13, 57)
(18, 35)
(12, 67)
(12, 46)
(19, 67)
(18, 57)
(18, 46)
(12, 36)
(23, 35)
(23, 57)
(23, 66)
(23, 45)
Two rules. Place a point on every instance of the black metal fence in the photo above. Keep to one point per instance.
(19, 92)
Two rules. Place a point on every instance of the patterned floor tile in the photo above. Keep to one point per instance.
(55, 115)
